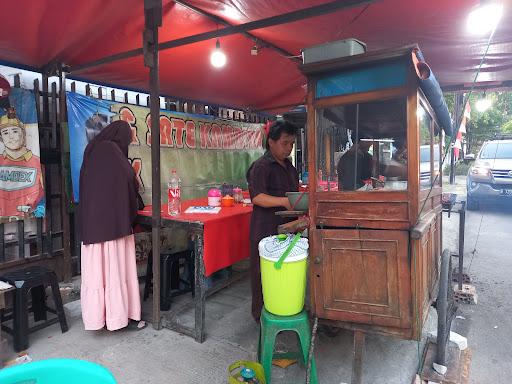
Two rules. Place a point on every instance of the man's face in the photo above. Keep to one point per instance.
(13, 137)
(282, 147)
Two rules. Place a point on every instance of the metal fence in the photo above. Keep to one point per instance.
(43, 241)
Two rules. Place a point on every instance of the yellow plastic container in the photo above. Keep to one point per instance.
(235, 368)
(283, 289)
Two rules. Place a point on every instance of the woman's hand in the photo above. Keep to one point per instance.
(267, 201)
(286, 204)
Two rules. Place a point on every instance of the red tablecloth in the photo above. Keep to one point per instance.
(226, 234)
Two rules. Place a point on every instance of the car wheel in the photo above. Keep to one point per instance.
(473, 204)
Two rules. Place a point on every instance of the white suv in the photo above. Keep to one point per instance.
(490, 177)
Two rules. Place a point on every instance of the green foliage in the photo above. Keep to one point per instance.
(507, 127)
(449, 98)
(484, 125)
(461, 168)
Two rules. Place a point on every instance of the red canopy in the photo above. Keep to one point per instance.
(34, 33)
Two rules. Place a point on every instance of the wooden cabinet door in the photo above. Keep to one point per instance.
(361, 276)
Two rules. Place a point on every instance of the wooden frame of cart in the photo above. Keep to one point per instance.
(375, 248)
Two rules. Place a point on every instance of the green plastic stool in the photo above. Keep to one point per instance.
(271, 326)
(57, 371)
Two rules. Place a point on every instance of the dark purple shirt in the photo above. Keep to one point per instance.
(267, 176)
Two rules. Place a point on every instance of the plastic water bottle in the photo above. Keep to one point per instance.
(174, 194)
(305, 178)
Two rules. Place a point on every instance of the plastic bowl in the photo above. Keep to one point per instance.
(302, 204)
(227, 201)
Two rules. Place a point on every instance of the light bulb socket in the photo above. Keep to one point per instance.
(217, 44)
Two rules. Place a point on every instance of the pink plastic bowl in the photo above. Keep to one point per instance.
(214, 192)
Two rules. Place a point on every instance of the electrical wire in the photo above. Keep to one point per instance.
(354, 19)
(473, 252)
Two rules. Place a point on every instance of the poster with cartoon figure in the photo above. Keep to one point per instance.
(21, 178)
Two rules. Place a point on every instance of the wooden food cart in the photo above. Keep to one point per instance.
(374, 152)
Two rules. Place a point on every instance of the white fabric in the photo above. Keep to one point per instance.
(272, 248)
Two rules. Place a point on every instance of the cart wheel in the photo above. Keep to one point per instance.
(445, 306)
(329, 330)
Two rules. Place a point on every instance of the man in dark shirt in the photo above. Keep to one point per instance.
(269, 178)
(350, 178)
(397, 165)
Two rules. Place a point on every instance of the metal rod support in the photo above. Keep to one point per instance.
(285, 18)
(262, 43)
(357, 362)
(462, 224)
(64, 203)
(152, 14)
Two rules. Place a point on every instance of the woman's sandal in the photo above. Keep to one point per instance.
(136, 325)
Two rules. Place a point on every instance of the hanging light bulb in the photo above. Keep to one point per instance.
(483, 104)
(485, 17)
(218, 58)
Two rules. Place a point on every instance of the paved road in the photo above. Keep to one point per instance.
(488, 259)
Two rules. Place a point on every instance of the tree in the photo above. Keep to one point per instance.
(484, 125)
(507, 127)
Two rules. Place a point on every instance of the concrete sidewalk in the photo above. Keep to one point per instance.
(459, 187)
(150, 356)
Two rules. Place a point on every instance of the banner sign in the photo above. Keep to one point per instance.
(21, 179)
(205, 151)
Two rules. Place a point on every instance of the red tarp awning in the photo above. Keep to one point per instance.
(34, 33)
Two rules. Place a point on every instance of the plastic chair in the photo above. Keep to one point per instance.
(271, 326)
(32, 280)
(170, 276)
(57, 371)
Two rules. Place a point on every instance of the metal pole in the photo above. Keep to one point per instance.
(153, 20)
(462, 225)
(64, 203)
(302, 150)
(47, 177)
(356, 147)
(452, 165)
(457, 108)
(443, 323)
